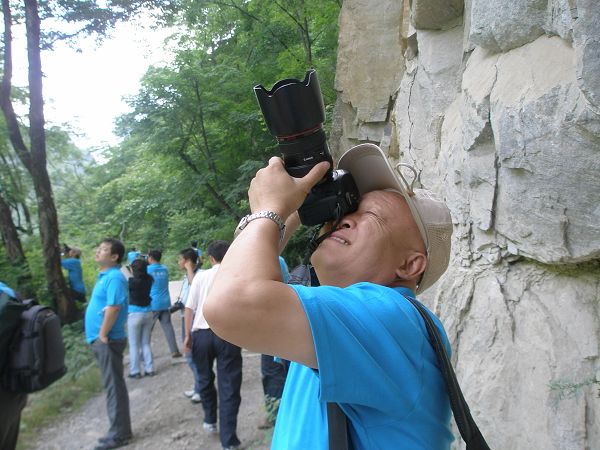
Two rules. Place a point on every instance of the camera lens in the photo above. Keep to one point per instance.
(294, 113)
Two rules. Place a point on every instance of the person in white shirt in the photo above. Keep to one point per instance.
(206, 347)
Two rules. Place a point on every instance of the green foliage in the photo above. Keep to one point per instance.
(79, 356)
(81, 382)
(63, 397)
(195, 136)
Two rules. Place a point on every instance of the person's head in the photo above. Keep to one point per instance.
(139, 267)
(187, 254)
(132, 255)
(74, 252)
(399, 236)
(110, 252)
(216, 251)
(154, 256)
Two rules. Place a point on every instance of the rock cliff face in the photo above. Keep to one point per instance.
(497, 103)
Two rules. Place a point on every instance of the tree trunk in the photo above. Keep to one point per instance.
(35, 160)
(10, 237)
(43, 188)
(14, 250)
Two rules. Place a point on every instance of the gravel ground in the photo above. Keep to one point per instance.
(162, 418)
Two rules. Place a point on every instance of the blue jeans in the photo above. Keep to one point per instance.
(190, 360)
(139, 328)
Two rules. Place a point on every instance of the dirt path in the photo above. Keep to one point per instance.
(162, 418)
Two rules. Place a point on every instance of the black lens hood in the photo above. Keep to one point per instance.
(292, 107)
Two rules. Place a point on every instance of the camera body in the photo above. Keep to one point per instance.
(294, 114)
(177, 306)
(65, 250)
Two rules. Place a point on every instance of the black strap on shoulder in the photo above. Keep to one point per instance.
(338, 427)
(462, 415)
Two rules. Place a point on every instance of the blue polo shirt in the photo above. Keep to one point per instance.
(159, 293)
(110, 290)
(285, 272)
(8, 291)
(73, 266)
(376, 362)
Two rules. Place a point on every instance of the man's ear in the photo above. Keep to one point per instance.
(413, 267)
(114, 257)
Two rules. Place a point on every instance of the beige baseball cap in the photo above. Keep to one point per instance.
(372, 171)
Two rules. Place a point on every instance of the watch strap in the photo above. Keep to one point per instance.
(263, 215)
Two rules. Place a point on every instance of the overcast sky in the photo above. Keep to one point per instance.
(85, 90)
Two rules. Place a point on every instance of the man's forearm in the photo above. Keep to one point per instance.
(188, 317)
(110, 317)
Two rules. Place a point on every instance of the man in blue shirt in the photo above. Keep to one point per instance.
(73, 265)
(105, 319)
(355, 340)
(161, 299)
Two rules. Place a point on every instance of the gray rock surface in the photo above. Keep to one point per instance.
(499, 111)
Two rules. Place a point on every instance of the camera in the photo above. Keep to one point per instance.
(294, 114)
(177, 306)
(65, 250)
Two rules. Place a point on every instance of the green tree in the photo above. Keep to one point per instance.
(32, 151)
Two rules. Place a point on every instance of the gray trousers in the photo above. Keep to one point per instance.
(164, 317)
(110, 360)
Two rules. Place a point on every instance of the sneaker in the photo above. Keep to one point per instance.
(232, 447)
(195, 398)
(150, 374)
(190, 393)
(135, 376)
(108, 444)
(210, 428)
(176, 355)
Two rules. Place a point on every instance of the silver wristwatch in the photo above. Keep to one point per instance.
(262, 215)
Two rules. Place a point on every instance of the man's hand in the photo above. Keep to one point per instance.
(103, 339)
(187, 344)
(274, 190)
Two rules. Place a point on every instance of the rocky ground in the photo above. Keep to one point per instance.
(162, 417)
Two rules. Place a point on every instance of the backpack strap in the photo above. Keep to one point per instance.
(462, 415)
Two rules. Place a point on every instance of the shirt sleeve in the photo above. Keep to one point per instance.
(193, 297)
(117, 290)
(369, 345)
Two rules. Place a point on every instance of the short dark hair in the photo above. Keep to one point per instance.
(156, 255)
(116, 248)
(189, 254)
(217, 249)
(139, 267)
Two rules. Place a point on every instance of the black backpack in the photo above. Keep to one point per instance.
(34, 355)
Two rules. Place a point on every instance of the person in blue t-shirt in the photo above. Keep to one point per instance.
(355, 340)
(161, 299)
(72, 264)
(105, 320)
